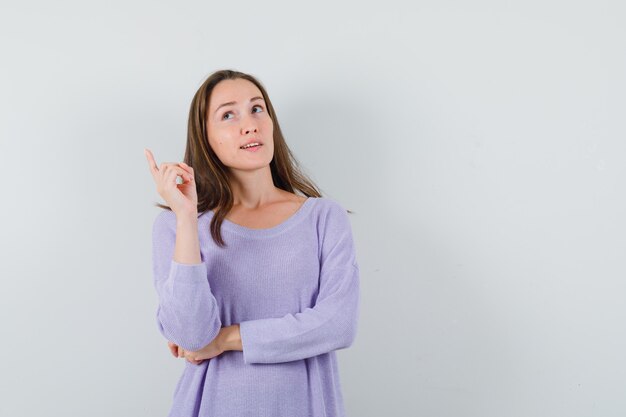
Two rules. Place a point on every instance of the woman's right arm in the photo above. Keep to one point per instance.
(188, 314)
(187, 249)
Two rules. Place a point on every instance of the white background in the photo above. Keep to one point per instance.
(481, 145)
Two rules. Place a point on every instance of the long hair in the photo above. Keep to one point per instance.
(211, 175)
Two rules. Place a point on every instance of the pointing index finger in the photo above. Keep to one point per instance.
(152, 164)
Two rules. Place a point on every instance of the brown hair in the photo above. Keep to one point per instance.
(211, 177)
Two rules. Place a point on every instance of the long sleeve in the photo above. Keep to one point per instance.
(187, 313)
(331, 323)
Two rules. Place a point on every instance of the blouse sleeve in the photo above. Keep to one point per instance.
(187, 312)
(331, 324)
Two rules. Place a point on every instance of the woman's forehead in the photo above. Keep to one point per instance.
(234, 91)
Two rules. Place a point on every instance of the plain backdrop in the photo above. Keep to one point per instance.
(481, 145)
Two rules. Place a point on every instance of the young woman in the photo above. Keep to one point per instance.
(257, 286)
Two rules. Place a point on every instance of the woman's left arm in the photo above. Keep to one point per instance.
(230, 338)
(331, 324)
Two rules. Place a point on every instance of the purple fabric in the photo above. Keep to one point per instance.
(294, 290)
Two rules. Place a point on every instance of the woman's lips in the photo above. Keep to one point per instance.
(252, 148)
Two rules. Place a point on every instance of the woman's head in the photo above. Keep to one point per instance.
(237, 114)
(215, 134)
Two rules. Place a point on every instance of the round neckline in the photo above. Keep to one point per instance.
(237, 228)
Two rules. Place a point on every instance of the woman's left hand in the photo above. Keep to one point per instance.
(228, 338)
(213, 349)
(179, 352)
(209, 351)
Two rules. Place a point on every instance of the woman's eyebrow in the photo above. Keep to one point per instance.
(234, 102)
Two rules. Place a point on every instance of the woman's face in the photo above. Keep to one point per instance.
(238, 115)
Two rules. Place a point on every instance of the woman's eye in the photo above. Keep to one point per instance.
(230, 112)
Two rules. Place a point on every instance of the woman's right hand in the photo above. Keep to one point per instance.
(181, 198)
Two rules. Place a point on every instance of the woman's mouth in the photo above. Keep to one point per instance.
(251, 147)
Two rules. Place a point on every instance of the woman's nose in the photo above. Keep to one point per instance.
(248, 126)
